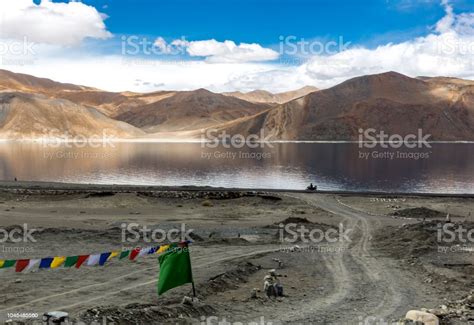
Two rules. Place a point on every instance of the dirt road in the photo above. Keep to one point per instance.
(368, 287)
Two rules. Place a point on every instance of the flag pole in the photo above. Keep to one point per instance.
(194, 290)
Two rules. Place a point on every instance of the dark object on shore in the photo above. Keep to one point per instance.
(270, 197)
(311, 187)
(56, 317)
(16, 180)
(100, 194)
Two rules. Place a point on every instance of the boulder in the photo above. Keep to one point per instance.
(422, 316)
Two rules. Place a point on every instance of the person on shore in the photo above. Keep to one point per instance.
(311, 187)
(269, 286)
(278, 288)
(448, 218)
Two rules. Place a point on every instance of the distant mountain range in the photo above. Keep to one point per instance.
(263, 96)
(33, 107)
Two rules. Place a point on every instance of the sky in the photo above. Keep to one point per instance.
(276, 45)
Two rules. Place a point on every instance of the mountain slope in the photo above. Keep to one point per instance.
(189, 110)
(37, 116)
(109, 103)
(390, 101)
(26, 83)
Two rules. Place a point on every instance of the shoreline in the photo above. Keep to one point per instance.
(83, 187)
(199, 140)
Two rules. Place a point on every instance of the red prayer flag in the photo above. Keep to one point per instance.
(81, 259)
(134, 253)
(21, 264)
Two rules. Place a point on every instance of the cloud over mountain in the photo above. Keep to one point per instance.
(215, 51)
(50, 22)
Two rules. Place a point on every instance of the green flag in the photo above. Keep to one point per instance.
(124, 254)
(175, 269)
(71, 261)
(8, 263)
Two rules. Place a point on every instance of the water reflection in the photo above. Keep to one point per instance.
(446, 167)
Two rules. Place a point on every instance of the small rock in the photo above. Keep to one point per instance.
(187, 301)
(420, 316)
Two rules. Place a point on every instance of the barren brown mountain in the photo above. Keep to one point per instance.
(26, 83)
(389, 101)
(394, 103)
(24, 115)
(109, 103)
(190, 110)
(263, 96)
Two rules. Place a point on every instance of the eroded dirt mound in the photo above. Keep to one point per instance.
(420, 213)
(296, 220)
(415, 240)
(230, 279)
(408, 240)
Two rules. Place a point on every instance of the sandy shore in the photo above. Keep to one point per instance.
(392, 263)
(49, 186)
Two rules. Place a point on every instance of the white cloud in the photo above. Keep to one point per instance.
(218, 52)
(447, 51)
(115, 73)
(445, 24)
(161, 44)
(50, 22)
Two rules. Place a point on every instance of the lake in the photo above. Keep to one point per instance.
(443, 168)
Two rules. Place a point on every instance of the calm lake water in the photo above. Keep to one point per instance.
(444, 168)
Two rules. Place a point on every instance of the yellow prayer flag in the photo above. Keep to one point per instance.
(57, 261)
(162, 249)
(113, 254)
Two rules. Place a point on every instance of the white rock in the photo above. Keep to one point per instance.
(421, 316)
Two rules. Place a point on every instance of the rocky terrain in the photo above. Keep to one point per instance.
(390, 266)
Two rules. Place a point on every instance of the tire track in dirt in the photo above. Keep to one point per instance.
(385, 294)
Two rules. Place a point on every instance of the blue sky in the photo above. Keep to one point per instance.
(236, 44)
(367, 22)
